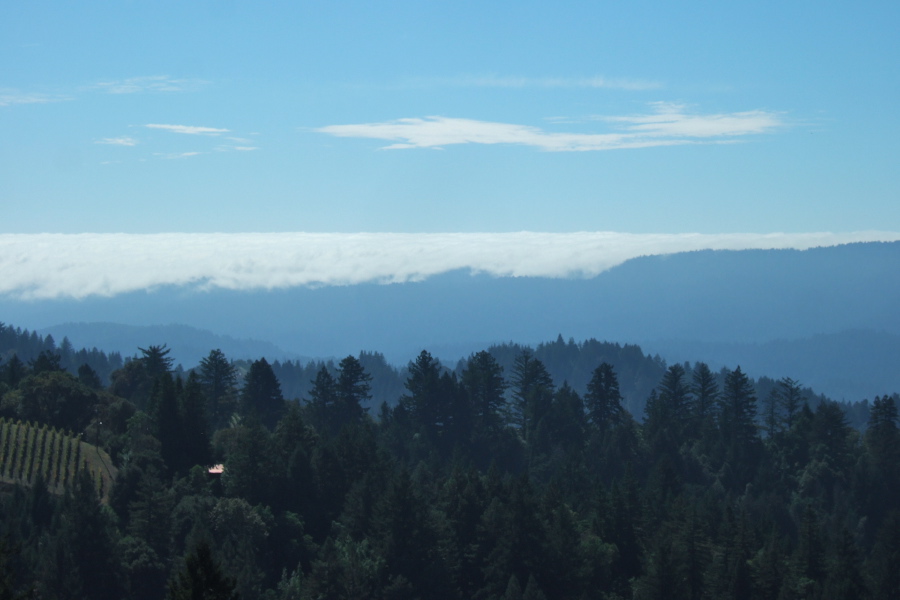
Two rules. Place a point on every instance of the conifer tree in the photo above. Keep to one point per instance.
(425, 400)
(323, 402)
(603, 399)
(261, 395)
(532, 392)
(705, 390)
(790, 398)
(483, 381)
(156, 360)
(883, 435)
(218, 377)
(353, 390)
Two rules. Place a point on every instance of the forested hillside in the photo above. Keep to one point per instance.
(518, 473)
(27, 345)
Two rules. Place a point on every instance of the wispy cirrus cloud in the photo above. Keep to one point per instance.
(671, 120)
(153, 83)
(118, 141)
(39, 266)
(10, 97)
(188, 129)
(666, 125)
(176, 155)
(511, 81)
(236, 148)
(131, 85)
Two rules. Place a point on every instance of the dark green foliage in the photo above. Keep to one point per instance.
(46, 362)
(218, 380)
(19, 346)
(156, 360)
(249, 466)
(353, 390)
(201, 579)
(482, 380)
(845, 576)
(149, 513)
(737, 427)
(8, 584)
(603, 399)
(705, 390)
(323, 403)
(169, 426)
(13, 371)
(884, 576)
(145, 573)
(57, 399)
(808, 568)
(533, 591)
(457, 489)
(133, 383)
(532, 395)
(790, 398)
(336, 402)
(196, 443)
(425, 402)
(83, 562)
(408, 540)
(261, 395)
(576, 362)
(89, 377)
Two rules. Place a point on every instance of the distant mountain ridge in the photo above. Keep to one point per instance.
(707, 297)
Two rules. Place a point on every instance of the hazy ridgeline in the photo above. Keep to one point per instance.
(826, 316)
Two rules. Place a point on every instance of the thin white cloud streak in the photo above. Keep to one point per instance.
(177, 155)
(44, 266)
(154, 83)
(236, 148)
(668, 125)
(187, 129)
(12, 97)
(118, 141)
(596, 82)
(670, 120)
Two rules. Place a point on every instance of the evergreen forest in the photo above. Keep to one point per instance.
(566, 471)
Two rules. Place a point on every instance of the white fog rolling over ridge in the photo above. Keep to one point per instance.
(47, 266)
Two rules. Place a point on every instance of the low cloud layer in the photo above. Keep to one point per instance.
(667, 125)
(44, 266)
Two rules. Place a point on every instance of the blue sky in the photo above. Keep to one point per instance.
(430, 117)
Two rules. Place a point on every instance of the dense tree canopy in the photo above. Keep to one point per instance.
(494, 479)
